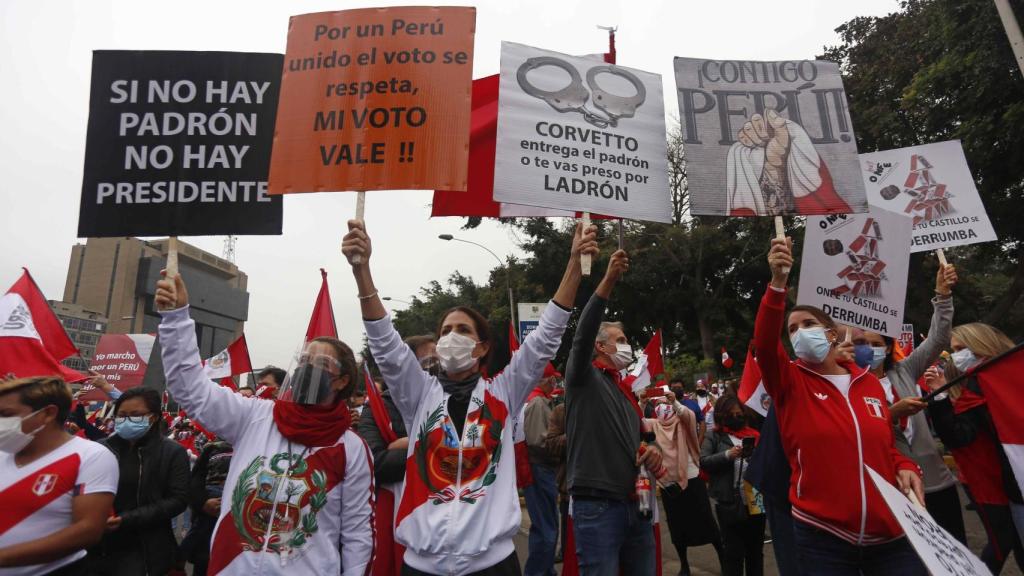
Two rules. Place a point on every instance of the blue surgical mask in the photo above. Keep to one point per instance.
(863, 355)
(811, 344)
(877, 356)
(129, 429)
(963, 359)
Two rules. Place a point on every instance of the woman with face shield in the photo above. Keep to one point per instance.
(876, 352)
(460, 509)
(298, 498)
(834, 421)
(964, 425)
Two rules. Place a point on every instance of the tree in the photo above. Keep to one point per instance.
(940, 70)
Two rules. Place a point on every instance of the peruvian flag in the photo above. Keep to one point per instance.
(32, 339)
(322, 321)
(999, 380)
(231, 361)
(377, 408)
(726, 360)
(477, 199)
(649, 367)
(752, 392)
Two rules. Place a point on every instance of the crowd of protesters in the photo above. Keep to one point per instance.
(325, 470)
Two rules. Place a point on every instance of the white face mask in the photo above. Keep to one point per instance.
(963, 359)
(623, 356)
(456, 352)
(12, 439)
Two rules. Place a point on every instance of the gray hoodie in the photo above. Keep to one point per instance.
(904, 376)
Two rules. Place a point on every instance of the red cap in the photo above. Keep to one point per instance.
(549, 371)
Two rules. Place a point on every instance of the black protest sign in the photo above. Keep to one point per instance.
(179, 144)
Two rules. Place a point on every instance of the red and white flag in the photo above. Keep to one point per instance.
(478, 198)
(752, 392)
(32, 339)
(726, 360)
(649, 366)
(321, 323)
(231, 361)
(999, 381)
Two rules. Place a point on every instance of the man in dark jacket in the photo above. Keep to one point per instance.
(603, 427)
(152, 490)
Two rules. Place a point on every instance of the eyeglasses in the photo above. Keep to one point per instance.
(135, 419)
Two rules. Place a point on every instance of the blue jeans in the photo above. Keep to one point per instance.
(822, 554)
(542, 504)
(780, 520)
(610, 534)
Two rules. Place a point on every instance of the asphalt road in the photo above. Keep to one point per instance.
(703, 560)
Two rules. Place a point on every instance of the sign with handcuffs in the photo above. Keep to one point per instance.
(577, 133)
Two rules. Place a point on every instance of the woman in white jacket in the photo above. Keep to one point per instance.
(298, 498)
(459, 508)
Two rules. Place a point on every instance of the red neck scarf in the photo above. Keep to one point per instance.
(745, 432)
(312, 425)
(538, 391)
(623, 387)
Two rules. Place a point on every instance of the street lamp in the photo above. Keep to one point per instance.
(508, 272)
(390, 299)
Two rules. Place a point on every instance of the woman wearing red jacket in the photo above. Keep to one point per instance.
(833, 420)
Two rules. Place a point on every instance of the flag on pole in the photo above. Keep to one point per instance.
(999, 380)
(513, 340)
(231, 361)
(478, 198)
(726, 360)
(377, 408)
(322, 321)
(649, 368)
(32, 339)
(752, 392)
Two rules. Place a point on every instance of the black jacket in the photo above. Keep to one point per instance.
(601, 424)
(768, 469)
(722, 484)
(388, 465)
(158, 469)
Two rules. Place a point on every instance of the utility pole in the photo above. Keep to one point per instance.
(1012, 28)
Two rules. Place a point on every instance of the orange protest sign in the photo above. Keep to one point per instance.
(375, 99)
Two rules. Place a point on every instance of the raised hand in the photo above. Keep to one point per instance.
(356, 243)
(584, 241)
(171, 294)
(945, 279)
(780, 260)
(771, 133)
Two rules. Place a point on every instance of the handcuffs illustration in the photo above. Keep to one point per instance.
(573, 98)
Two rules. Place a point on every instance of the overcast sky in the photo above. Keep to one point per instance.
(45, 66)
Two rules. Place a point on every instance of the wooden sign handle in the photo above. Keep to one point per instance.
(586, 261)
(941, 256)
(172, 257)
(780, 232)
(360, 210)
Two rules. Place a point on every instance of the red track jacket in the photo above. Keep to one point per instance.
(828, 438)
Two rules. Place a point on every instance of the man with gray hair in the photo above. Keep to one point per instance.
(603, 429)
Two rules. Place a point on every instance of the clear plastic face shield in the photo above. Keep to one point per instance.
(313, 376)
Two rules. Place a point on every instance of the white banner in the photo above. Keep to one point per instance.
(529, 314)
(941, 553)
(854, 267)
(932, 184)
(578, 134)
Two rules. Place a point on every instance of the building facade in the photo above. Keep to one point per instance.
(117, 278)
(84, 327)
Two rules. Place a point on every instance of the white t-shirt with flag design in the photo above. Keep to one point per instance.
(36, 498)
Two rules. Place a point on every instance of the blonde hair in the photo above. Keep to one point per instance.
(39, 392)
(983, 340)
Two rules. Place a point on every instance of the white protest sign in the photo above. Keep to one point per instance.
(854, 267)
(579, 134)
(932, 184)
(941, 553)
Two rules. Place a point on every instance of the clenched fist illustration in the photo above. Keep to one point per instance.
(771, 133)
